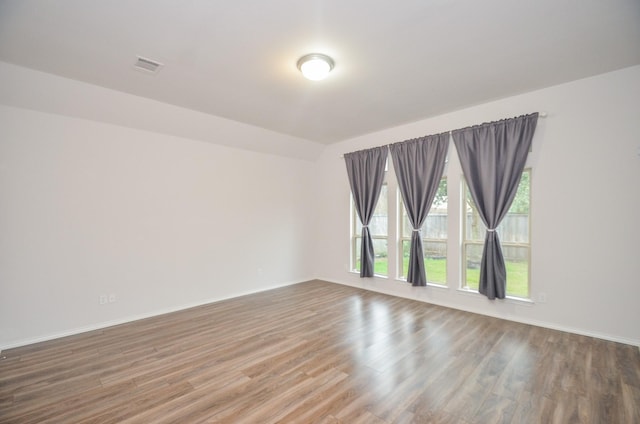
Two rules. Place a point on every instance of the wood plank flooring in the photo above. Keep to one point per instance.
(318, 352)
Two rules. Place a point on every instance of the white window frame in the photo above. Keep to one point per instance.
(404, 238)
(466, 243)
(356, 235)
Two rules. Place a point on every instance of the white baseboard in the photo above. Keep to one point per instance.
(124, 320)
(543, 324)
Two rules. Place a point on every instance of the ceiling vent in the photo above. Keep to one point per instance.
(147, 65)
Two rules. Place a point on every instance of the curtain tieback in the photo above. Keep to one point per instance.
(491, 230)
(365, 226)
(415, 230)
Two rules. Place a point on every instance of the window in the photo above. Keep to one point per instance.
(378, 227)
(434, 238)
(514, 233)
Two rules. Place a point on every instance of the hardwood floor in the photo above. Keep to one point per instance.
(321, 353)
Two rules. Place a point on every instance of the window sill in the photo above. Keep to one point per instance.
(508, 299)
(438, 286)
(374, 275)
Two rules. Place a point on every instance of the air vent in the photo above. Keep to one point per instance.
(147, 65)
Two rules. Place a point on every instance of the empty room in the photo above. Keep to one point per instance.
(319, 212)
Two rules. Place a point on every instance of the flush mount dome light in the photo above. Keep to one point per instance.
(315, 66)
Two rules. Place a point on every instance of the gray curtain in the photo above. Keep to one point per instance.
(366, 174)
(419, 164)
(493, 156)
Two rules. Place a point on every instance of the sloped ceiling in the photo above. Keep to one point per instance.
(396, 62)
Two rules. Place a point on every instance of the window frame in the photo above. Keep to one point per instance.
(357, 236)
(465, 243)
(407, 238)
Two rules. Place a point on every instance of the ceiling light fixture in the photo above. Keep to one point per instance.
(315, 66)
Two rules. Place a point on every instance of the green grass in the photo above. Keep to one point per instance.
(436, 268)
(517, 274)
(380, 266)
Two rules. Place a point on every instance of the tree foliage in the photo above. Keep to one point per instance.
(521, 201)
(441, 194)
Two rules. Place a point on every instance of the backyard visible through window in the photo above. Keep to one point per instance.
(378, 227)
(514, 236)
(434, 238)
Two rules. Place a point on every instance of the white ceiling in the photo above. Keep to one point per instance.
(396, 62)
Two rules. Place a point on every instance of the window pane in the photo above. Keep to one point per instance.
(435, 226)
(517, 263)
(380, 264)
(378, 227)
(356, 253)
(475, 228)
(514, 229)
(435, 260)
(440, 201)
(379, 220)
(406, 246)
(473, 256)
(434, 233)
(406, 224)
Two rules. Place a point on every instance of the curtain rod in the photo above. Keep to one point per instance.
(540, 115)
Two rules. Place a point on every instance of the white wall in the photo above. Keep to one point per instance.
(162, 222)
(26, 88)
(585, 208)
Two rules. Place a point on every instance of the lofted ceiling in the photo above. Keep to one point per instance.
(395, 62)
